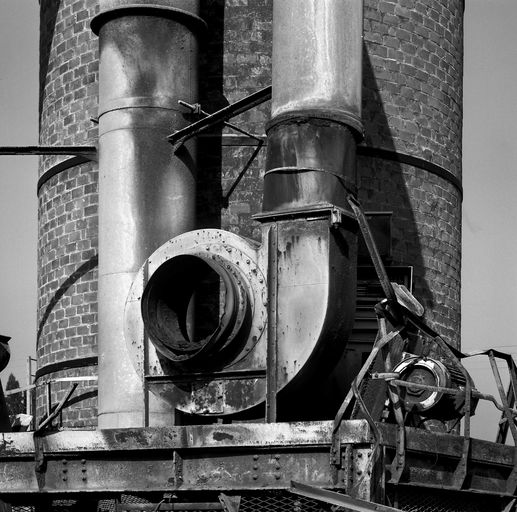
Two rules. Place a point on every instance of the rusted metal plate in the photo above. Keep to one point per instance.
(432, 461)
(246, 456)
(240, 457)
(271, 469)
(86, 475)
(450, 445)
(303, 434)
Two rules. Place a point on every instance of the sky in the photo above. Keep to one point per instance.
(489, 274)
(489, 263)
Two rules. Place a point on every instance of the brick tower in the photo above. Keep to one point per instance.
(409, 167)
(67, 193)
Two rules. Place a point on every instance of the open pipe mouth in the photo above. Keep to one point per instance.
(195, 310)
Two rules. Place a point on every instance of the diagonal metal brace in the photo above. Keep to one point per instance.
(353, 393)
(387, 287)
(197, 110)
(39, 452)
(178, 138)
(47, 421)
(336, 498)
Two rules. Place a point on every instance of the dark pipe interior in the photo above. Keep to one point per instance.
(191, 310)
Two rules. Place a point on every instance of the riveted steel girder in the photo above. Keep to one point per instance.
(239, 458)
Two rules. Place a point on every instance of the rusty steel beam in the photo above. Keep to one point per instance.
(238, 457)
(214, 457)
(260, 435)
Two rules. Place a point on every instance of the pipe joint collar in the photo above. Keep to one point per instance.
(200, 300)
(183, 16)
(348, 119)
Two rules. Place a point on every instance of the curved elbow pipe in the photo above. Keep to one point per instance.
(310, 169)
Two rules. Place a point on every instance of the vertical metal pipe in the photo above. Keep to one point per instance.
(311, 164)
(316, 102)
(317, 58)
(147, 62)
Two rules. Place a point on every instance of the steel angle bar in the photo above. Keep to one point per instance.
(256, 151)
(180, 136)
(380, 342)
(504, 423)
(56, 411)
(399, 461)
(262, 436)
(385, 283)
(196, 109)
(336, 498)
(512, 478)
(272, 336)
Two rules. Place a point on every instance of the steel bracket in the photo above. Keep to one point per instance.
(462, 468)
(198, 111)
(230, 503)
(335, 214)
(399, 461)
(178, 138)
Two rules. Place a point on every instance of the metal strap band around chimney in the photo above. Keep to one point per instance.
(414, 161)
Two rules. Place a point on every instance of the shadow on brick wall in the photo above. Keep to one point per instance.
(49, 10)
(385, 185)
(211, 96)
(63, 288)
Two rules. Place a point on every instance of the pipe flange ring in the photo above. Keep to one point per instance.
(200, 299)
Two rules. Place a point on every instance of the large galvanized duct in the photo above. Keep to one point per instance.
(301, 280)
(310, 169)
(316, 103)
(148, 61)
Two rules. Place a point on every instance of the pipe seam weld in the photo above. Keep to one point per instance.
(348, 119)
(162, 11)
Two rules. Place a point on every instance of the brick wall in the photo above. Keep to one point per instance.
(235, 61)
(412, 103)
(67, 239)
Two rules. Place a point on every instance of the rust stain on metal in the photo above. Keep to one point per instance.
(222, 436)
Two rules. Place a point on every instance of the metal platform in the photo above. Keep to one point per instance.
(242, 458)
